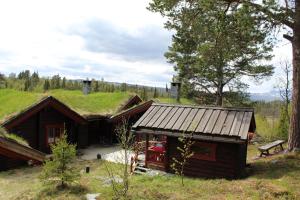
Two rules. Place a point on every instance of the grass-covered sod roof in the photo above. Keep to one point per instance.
(13, 101)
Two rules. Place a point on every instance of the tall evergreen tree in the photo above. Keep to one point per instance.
(155, 93)
(46, 85)
(215, 44)
(272, 15)
(63, 83)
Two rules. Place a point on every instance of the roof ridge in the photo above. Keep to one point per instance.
(202, 106)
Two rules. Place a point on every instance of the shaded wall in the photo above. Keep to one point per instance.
(33, 130)
(230, 161)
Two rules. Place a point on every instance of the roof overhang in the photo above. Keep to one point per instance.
(15, 150)
(215, 138)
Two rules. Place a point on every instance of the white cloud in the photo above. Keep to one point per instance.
(35, 35)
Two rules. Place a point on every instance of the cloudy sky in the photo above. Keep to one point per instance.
(116, 40)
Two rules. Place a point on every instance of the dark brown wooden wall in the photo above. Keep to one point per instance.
(230, 161)
(8, 163)
(34, 128)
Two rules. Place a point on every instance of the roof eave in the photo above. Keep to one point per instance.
(215, 138)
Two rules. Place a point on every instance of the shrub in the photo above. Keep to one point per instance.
(59, 170)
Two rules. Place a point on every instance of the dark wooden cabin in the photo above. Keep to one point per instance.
(43, 123)
(220, 138)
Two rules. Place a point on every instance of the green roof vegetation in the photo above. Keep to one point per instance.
(13, 137)
(14, 101)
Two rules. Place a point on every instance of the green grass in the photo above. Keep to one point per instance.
(276, 177)
(14, 101)
(13, 137)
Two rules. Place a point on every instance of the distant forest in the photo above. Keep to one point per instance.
(33, 82)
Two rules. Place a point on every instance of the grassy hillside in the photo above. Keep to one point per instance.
(276, 177)
(13, 101)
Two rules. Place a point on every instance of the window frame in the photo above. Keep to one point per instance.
(53, 126)
(211, 146)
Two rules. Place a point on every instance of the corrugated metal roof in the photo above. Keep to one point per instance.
(213, 121)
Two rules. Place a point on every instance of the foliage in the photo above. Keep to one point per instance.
(59, 171)
(155, 94)
(125, 138)
(46, 85)
(185, 150)
(284, 122)
(144, 94)
(216, 43)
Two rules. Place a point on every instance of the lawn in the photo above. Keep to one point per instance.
(13, 101)
(276, 177)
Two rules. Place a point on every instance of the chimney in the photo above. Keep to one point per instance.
(86, 89)
(175, 90)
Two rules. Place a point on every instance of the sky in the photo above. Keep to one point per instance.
(120, 41)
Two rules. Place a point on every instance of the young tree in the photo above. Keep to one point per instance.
(125, 138)
(185, 150)
(59, 170)
(271, 15)
(284, 85)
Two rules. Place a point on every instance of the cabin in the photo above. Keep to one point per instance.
(220, 138)
(42, 124)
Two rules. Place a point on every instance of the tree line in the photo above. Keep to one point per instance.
(33, 82)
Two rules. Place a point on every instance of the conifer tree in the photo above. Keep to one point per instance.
(59, 170)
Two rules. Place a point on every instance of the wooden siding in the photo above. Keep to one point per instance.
(33, 129)
(230, 162)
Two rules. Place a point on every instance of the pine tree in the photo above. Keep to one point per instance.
(96, 86)
(155, 93)
(63, 84)
(46, 85)
(59, 170)
(144, 94)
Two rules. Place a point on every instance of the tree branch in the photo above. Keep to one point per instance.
(288, 37)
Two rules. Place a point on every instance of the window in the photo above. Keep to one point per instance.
(204, 151)
(53, 133)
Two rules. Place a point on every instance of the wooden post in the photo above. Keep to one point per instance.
(146, 150)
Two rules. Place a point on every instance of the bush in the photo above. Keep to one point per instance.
(59, 171)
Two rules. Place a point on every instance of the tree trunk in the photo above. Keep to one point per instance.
(294, 131)
(219, 99)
